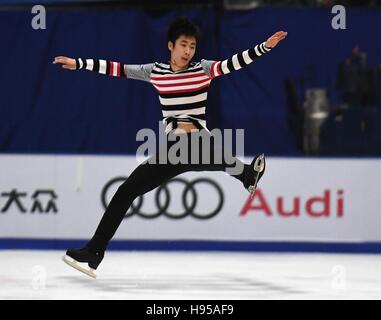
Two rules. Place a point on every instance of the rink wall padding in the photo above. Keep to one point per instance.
(301, 204)
(224, 246)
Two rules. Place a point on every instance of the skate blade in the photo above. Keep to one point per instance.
(253, 187)
(74, 264)
(259, 166)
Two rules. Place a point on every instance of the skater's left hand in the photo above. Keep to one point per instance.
(275, 39)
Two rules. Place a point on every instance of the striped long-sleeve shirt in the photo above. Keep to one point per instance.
(182, 94)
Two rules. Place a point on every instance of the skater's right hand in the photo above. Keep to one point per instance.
(67, 63)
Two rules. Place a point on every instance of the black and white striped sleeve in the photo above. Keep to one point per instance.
(116, 69)
(236, 62)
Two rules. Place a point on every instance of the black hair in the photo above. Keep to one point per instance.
(182, 26)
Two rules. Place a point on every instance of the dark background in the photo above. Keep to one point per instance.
(45, 109)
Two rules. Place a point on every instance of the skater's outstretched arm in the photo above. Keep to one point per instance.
(111, 68)
(239, 60)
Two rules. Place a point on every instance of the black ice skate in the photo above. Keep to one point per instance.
(75, 256)
(258, 169)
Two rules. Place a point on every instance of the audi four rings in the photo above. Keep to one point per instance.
(162, 191)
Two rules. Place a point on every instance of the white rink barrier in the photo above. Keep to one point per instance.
(321, 200)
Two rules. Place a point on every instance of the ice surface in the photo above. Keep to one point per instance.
(192, 275)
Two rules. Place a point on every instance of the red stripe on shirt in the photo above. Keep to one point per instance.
(218, 68)
(180, 83)
(212, 70)
(111, 68)
(178, 77)
(182, 90)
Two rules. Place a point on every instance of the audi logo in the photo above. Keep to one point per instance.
(163, 197)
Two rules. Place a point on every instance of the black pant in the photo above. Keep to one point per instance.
(151, 174)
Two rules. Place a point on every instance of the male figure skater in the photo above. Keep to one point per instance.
(182, 86)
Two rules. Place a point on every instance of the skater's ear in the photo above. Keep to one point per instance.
(170, 46)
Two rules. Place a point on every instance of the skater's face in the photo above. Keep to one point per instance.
(182, 51)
